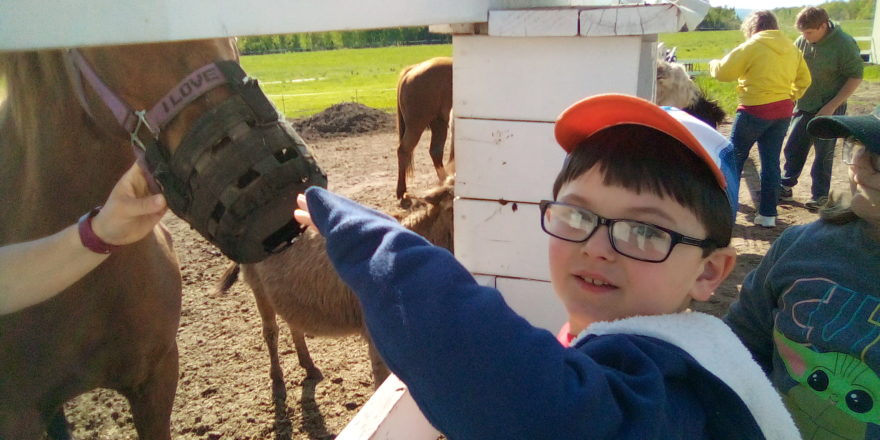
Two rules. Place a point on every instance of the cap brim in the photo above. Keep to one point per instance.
(865, 128)
(590, 115)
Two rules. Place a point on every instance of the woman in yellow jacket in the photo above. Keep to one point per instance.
(771, 75)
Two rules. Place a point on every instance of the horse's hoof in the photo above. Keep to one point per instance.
(314, 374)
(406, 202)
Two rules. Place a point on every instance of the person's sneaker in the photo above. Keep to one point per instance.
(814, 204)
(767, 222)
(786, 194)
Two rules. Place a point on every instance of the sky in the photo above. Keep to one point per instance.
(764, 4)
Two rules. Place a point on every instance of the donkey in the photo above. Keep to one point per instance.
(675, 88)
(424, 99)
(301, 285)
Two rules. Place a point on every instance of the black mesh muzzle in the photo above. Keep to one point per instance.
(236, 174)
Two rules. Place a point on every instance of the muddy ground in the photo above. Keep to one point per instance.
(224, 387)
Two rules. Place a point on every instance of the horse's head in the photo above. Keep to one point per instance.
(227, 162)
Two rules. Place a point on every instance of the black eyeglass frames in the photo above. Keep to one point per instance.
(637, 240)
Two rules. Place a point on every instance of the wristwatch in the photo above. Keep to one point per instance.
(88, 237)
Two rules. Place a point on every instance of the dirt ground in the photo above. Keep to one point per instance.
(224, 387)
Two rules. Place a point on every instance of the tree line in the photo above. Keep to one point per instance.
(310, 41)
(725, 18)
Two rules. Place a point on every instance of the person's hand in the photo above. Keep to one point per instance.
(827, 110)
(130, 211)
(301, 214)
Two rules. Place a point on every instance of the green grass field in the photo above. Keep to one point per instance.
(304, 83)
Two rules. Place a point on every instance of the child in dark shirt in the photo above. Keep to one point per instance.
(640, 225)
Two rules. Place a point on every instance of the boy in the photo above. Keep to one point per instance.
(836, 66)
(808, 312)
(479, 371)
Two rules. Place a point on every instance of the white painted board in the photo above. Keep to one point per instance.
(534, 79)
(535, 301)
(533, 23)
(33, 24)
(629, 20)
(389, 414)
(505, 160)
(512, 4)
(500, 239)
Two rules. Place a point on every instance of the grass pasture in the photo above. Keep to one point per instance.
(304, 83)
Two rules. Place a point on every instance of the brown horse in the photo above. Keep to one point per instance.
(116, 327)
(424, 99)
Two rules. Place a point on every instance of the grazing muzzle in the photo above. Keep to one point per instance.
(236, 174)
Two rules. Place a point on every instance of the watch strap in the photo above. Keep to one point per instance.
(88, 237)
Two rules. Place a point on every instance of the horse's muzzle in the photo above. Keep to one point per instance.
(236, 174)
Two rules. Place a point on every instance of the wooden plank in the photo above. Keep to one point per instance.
(492, 238)
(32, 24)
(534, 79)
(505, 160)
(634, 20)
(389, 414)
(517, 4)
(533, 23)
(535, 301)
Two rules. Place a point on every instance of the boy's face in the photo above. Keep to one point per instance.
(815, 35)
(595, 283)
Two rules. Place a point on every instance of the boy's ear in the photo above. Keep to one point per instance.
(716, 267)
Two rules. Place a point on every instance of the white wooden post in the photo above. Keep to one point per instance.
(875, 35)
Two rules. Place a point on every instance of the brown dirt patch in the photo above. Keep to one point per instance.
(224, 387)
(344, 119)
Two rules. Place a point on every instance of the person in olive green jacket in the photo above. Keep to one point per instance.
(836, 66)
(771, 74)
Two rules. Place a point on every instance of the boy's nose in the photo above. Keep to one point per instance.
(599, 244)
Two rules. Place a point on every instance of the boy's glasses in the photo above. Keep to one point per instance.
(852, 148)
(636, 240)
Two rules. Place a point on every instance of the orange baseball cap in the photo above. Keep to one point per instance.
(590, 115)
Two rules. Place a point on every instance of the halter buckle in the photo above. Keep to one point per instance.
(141, 122)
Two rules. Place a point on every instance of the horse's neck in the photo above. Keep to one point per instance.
(54, 163)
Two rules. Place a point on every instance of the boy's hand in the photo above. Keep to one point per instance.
(301, 214)
(130, 211)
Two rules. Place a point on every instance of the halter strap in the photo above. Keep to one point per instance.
(186, 91)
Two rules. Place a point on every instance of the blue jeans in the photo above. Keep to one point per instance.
(796, 149)
(768, 133)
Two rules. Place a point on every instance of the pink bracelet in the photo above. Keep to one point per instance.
(88, 237)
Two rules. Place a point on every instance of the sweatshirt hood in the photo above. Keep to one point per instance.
(775, 40)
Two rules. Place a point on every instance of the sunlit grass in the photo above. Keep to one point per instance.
(304, 83)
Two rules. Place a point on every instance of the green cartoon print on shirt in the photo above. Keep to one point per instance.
(827, 337)
(834, 389)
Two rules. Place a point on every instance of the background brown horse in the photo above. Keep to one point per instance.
(424, 99)
(116, 327)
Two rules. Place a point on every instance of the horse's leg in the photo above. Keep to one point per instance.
(439, 129)
(270, 335)
(152, 400)
(57, 427)
(380, 370)
(302, 353)
(408, 142)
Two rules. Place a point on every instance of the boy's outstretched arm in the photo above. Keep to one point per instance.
(476, 368)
